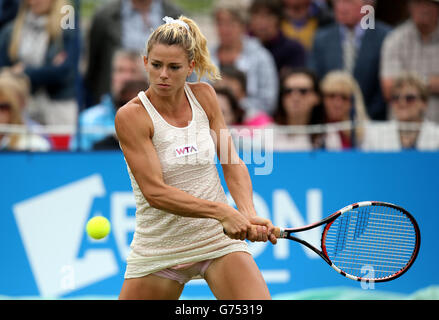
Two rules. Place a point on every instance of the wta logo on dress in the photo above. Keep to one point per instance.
(185, 150)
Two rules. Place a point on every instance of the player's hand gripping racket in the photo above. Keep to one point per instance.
(379, 236)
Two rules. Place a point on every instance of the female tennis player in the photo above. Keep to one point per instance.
(169, 135)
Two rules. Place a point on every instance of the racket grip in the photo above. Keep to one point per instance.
(224, 230)
(277, 232)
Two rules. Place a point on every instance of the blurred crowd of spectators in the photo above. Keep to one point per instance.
(286, 65)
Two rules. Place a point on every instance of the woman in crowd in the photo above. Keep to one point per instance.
(11, 114)
(344, 109)
(36, 44)
(409, 129)
(299, 105)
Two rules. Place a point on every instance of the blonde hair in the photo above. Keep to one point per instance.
(410, 79)
(53, 26)
(192, 41)
(9, 94)
(343, 81)
(237, 8)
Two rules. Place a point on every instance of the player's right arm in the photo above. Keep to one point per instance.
(134, 129)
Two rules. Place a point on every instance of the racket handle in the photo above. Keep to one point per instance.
(253, 228)
(277, 232)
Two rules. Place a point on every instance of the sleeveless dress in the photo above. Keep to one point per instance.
(188, 160)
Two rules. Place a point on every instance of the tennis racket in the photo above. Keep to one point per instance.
(377, 238)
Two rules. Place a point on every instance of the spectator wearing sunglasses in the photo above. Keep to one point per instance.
(410, 129)
(299, 106)
(343, 103)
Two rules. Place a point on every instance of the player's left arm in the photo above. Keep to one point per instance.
(235, 170)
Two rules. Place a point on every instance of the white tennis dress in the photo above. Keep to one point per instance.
(187, 157)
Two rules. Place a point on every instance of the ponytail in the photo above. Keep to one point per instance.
(203, 64)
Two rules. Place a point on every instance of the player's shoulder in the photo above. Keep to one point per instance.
(132, 115)
(129, 110)
(202, 89)
(205, 94)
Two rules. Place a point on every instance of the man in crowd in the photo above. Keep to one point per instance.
(127, 66)
(355, 47)
(414, 47)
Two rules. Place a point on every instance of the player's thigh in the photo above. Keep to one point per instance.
(150, 287)
(236, 276)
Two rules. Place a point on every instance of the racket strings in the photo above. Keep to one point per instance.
(371, 242)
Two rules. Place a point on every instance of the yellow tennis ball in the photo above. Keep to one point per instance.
(98, 227)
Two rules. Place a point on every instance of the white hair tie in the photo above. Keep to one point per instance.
(180, 22)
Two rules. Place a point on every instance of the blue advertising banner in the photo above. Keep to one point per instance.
(46, 200)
